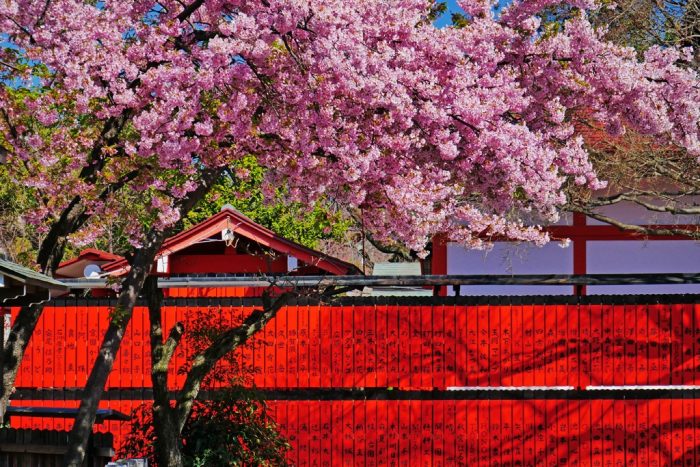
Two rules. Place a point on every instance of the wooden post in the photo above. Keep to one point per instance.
(579, 253)
(439, 260)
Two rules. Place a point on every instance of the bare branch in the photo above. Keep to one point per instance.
(171, 343)
(40, 20)
(636, 198)
(643, 230)
(7, 65)
(228, 341)
(465, 123)
(10, 126)
(395, 249)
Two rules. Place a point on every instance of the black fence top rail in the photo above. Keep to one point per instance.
(465, 300)
(64, 412)
(363, 394)
(413, 281)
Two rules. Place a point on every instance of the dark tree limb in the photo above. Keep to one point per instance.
(637, 199)
(14, 348)
(189, 10)
(132, 286)
(49, 256)
(226, 342)
(167, 441)
(121, 315)
(644, 230)
(50, 253)
(395, 249)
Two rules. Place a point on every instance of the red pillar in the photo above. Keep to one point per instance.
(579, 252)
(438, 259)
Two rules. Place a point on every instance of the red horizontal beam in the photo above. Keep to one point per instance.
(609, 232)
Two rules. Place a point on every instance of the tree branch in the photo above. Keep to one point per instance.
(465, 123)
(43, 13)
(161, 352)
(171, 343)
(635, 198)
(395, 249)
(228, 341)
(10, 126)
(643, 230)
(191, 8)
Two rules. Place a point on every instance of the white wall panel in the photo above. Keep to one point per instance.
(509, 258)
(657, 256)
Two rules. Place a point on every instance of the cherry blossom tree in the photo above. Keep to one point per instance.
(661, 182)
(424, 130)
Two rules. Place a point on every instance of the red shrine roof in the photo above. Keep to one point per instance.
(74, 267)
(241, 226)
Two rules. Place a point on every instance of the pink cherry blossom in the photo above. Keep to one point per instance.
(363, 103)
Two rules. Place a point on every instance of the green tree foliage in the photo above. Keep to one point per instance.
(241, 188)
(18, 240)
(307, 225)
(235, 429)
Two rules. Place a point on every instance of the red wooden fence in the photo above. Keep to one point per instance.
(429, 344)
(474, 432)
(398, 345)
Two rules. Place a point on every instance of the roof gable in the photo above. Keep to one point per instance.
(243, 226)
(74, 267)
(91, 254)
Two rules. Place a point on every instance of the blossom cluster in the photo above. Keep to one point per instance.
(366, 103)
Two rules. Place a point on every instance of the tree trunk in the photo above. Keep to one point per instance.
(48, 258)
(13, 351)
(167, 442)
(131, 287)
(51, 251)
(3, 401)
(167, 435)
(82, 428)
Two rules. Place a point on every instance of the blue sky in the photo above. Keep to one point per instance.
(452, 7)
(445, 19)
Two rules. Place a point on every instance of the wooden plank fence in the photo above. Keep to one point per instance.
(419, 346)
(429, 346)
